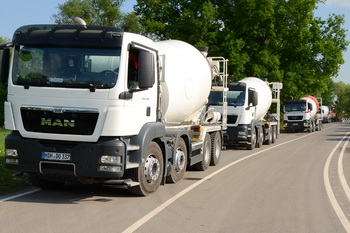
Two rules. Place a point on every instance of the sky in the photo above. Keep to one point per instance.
(16, 13)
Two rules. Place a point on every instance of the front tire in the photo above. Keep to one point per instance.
(150, 173)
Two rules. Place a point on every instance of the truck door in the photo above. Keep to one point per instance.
(141, 78)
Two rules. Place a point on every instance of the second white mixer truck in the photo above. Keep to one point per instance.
(248, 122)
(92, 104)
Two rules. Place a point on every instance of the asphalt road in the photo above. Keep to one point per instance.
(299, 184)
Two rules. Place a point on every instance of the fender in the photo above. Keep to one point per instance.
(148, 133)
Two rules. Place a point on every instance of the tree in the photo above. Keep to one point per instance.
(3, 89)
(97, 12)
(342, 93)
(4, 40)
(130, 23)
(279, 40)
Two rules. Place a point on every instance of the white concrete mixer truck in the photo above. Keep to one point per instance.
(249, 122)
(301, 115)
(326, 114)
(92, 104)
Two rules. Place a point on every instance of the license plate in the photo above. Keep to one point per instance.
(295, 124)
(55, 156)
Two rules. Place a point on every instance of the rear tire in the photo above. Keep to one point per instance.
(269, 140)
(274, 134)
(216, 145)
(150, 174)
(179, 165)
(204, 164)
(260, 139)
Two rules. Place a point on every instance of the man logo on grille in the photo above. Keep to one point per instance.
(57, 122)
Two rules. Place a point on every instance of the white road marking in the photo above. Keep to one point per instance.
(343, 219)
(154, 212)
(341, 171)
(19, 195)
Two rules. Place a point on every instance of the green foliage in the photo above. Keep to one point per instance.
(3, 90)
(130, 23)
(279, 40)
(98, 12)
(94, 12)
(4, 40)
(3, 97)
(9, 183)
(342, 93)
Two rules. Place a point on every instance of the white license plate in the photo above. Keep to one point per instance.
(55, 156)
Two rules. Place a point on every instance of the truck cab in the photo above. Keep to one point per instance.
(241, 109)
(302, 114)
(93, 104)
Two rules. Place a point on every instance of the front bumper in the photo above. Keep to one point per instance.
(237, 135)
(85, 157)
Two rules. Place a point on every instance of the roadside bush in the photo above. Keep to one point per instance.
(3, 94)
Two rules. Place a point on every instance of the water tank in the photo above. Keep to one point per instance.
(312, 100)
(185, 81)
(264, 95)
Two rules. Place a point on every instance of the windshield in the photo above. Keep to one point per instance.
(66, 67)
(290, 107)
(234, 98)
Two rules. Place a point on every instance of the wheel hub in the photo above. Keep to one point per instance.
(152, 169)
(180, 160)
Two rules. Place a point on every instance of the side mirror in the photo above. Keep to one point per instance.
(4, 64)
(253, 98)
(310, 106)
(146, 70)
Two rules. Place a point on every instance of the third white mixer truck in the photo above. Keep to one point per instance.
(93, 104)
(248, 122)
(301, 114)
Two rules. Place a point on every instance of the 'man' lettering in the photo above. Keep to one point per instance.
(57, 122)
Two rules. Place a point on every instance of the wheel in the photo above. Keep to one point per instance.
(317, 127)
(260, 138)
(216, 145)
(179, 164)
(269, 140)
(252, 144)
(274, 134)
(43, 183)
(149, 174)
(311, 128)
(204, 164)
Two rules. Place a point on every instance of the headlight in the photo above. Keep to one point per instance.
(111, 159)
(11, 152)
(242, 133)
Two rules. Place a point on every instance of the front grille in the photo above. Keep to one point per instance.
(59, 120)
(231, 119)
(57, 168)
(295, 118)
